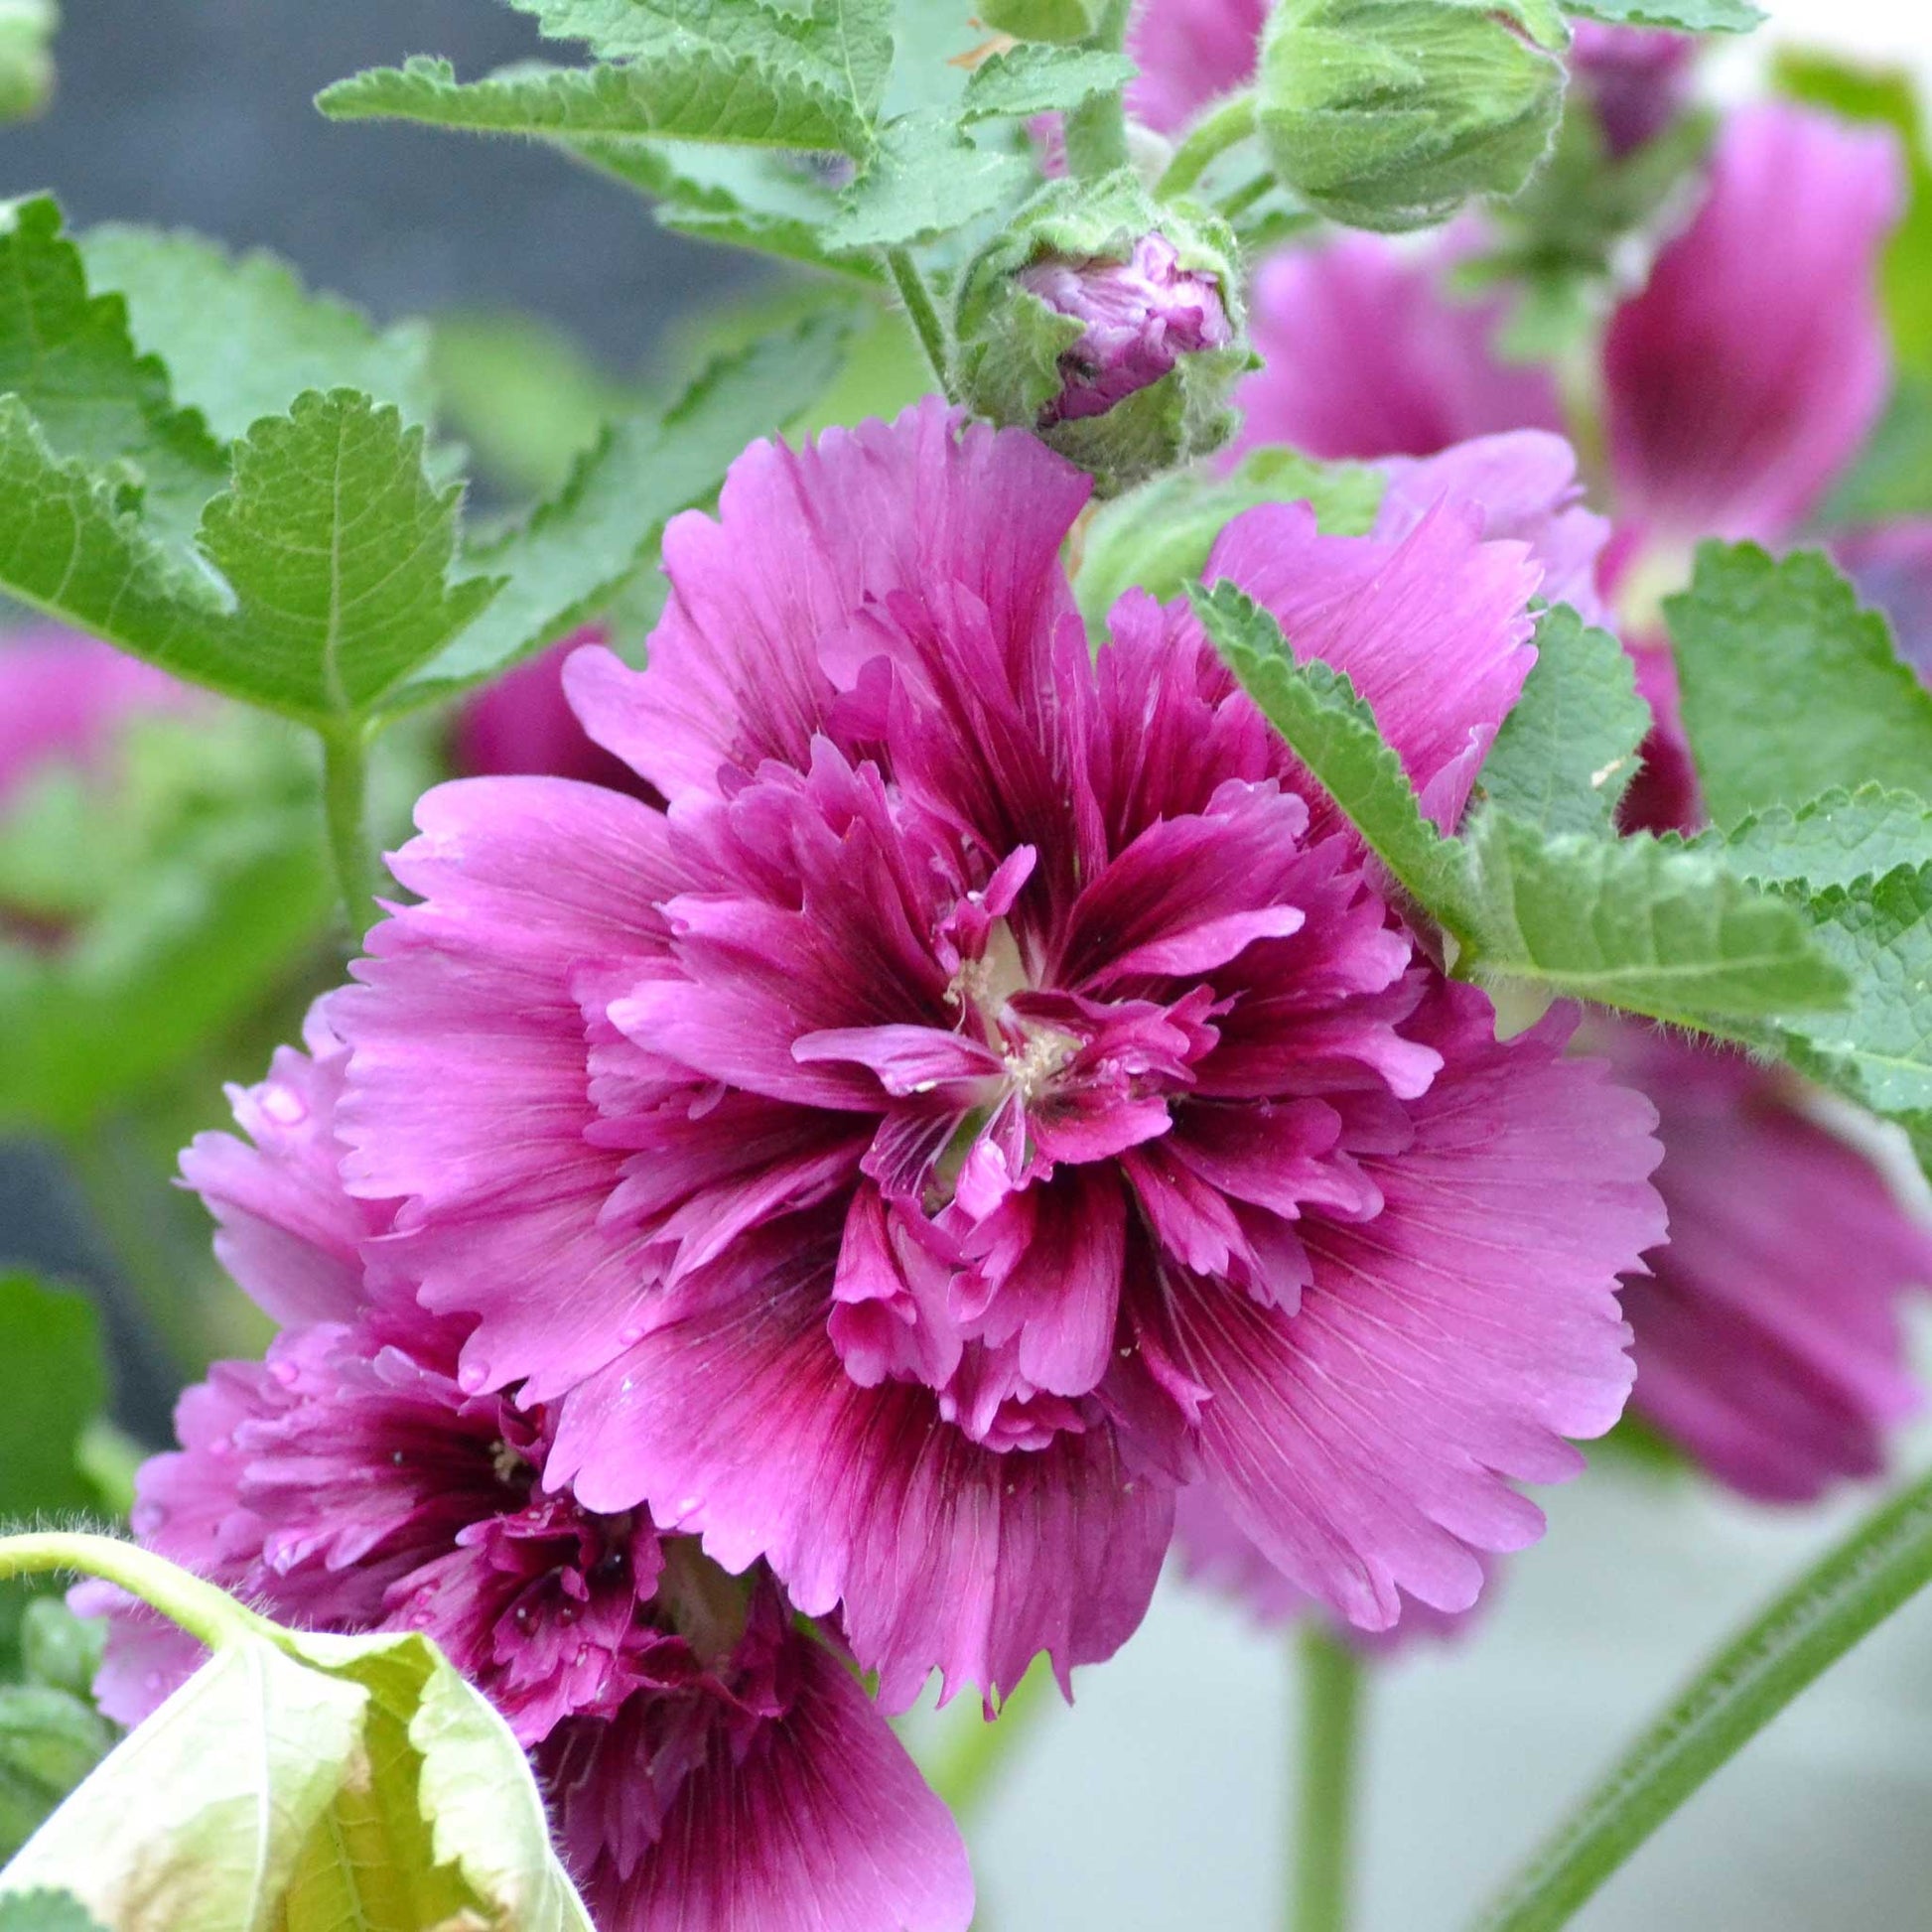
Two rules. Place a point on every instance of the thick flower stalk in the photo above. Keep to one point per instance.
(707, 1760)
(995, 1093)
(1740, 381)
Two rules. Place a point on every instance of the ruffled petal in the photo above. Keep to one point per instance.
(805, 541)
(286, 1229)
(739, 1421)
(821, 1822)
(1447, 1344)
(469, 1088)
(1433, 630)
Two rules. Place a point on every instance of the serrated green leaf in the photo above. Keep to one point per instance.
(924, 181)
(46, 1911)
(1333, 732)
(67, 356)
(1692, 16)
(741, 69)
(27, 29)
(338, 549)
(1790, 688)
(1836, 840)
(1878, 1049)
(1062, 21)
(1158, 539)
(241, 336)
(1634, 923)
(738, 197)
(1640, 924)
(48, 1741)
(577, 550)
(50, 1340)
(1568, 747)
(1034, 79)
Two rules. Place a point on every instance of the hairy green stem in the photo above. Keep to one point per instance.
(208, 1614)
(1210, 137)
(963, 1768)
(1096, 130)
(345, 805)
(1324, 1805)
(925, 315)
(1840, 1599)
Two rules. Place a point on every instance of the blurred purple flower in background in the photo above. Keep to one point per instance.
(64, 699)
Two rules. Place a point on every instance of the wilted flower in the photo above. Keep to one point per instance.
(707, 1760)
(994, 1093)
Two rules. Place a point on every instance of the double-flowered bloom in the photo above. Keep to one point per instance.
(995, 1091)
(708, 1761)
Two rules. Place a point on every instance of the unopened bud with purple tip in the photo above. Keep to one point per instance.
(1108, 324)
(1636, 78)
(1139, 318)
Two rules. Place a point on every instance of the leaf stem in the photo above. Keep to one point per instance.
(1840, 1599)
(927, 322)
(1330, 1707)
(1210, 137)
(1096, 130)
(344, 798)
(211, 1616)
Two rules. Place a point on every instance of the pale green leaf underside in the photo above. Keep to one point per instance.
(242, 337)
(1036, 79)
(1790, 688)
(1692, 15)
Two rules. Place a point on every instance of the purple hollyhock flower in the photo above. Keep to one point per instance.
(1757, 406)
(1140, 315)
(1768, 1336)
(523, 723)
(1638, 78)
(1364, 355)
(66, 699)
(707, 1761)
(1752, 366)
(995, 1093)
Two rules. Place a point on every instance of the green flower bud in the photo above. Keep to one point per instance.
(1109, 324)
(1389, 114)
